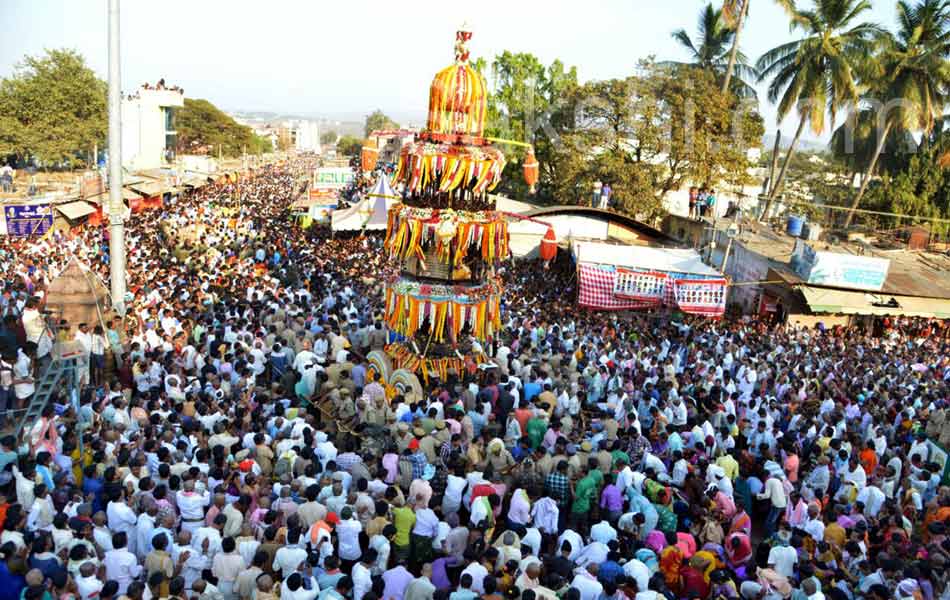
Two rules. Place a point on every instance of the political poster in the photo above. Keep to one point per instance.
(24, 220)
(332, 177)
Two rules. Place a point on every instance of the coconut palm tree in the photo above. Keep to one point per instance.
(710, 48)
(815, 74)
(734, 13)
(909, 79)
(854, 141)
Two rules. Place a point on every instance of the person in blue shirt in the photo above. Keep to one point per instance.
(610, 569)
(464, 591)
(640, 504)
(92, 485)
(12, 582)
(44, 469)
(531, 389)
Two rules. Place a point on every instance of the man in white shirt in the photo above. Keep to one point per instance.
(122, 519)
(855, 474)
(814, 526)
(873, 500)
(121, 565)
(478, 572)
(775, 492)
(207, 540)
(381, 544)
(348, 535)
(88, 585)
(144, 531)
(363, 574)
(191, 505)
(783, 559)
(585, 581)
(289, 557)
(304, 358)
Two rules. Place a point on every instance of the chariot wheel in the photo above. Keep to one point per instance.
(406, 381)
(381, 364)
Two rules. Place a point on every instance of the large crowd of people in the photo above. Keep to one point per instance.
(230, 441)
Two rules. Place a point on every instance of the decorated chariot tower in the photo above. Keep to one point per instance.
(443, 298)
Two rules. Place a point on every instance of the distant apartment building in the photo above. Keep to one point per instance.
(149, 138)
(308, 137)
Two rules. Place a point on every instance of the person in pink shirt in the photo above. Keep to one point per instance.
(790, 462)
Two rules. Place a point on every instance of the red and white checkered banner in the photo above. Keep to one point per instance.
(596, 290)
(645, 286)
(701, 296)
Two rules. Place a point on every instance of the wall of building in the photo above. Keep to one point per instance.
(810, 321)
(307, 138)
(145, 135)
(744, 267)
(689, 231)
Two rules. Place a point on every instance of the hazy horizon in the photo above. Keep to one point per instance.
(344, 60)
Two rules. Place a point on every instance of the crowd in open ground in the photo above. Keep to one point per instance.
(230, 441)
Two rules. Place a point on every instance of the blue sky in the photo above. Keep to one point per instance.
(348, 58)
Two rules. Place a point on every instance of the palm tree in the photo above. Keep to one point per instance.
(734, 13)
(854, 141)
(909, 80)
(815, 74)
(710, 49)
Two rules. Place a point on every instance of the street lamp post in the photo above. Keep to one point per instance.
(116, 212)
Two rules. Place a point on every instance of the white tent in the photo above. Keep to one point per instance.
(670, 260)
(368, 214)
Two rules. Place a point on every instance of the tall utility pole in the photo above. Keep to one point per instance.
(116, 208)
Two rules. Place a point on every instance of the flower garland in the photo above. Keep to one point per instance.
(409, 228)
(448, 166)
(404, 358)
(464, 294)
(447, 317)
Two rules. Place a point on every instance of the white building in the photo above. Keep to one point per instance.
(149, 138)
(306, 135)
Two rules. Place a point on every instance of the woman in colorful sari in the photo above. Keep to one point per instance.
(695, 581)
(656, 541)
(741, 523)
(710, 561)
(43, 436)
(648, 557)
(738, 551)
(671, 565)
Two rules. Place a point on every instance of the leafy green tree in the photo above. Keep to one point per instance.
(735, 13)
(815, 74)
(349, 145)
(201, 123)
(654, 133)
(377, 120)
(328, 138)
(909, 77)
(711, 50)
(921, 189)
(527, 104)
(52, 109)
(853, 143)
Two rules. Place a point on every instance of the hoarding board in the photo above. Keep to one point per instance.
(835, 269)
(28, 219)
(332, 177)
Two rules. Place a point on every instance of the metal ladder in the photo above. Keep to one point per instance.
(63, 367)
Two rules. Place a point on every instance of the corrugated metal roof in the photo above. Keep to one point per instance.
(917, 274)
(150, 188)
(102, 198)
(834, 301)
(76, 210)
(911, 273)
